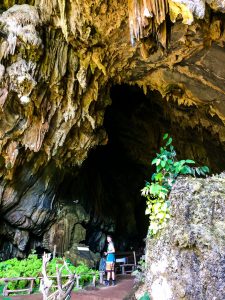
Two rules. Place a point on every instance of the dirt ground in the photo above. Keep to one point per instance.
(121, 291)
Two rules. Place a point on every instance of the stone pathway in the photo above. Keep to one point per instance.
(119, 292)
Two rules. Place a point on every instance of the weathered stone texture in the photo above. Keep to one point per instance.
(67, 230)
(186, 260)
(58, 60)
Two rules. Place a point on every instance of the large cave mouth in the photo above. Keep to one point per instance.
(110, 180)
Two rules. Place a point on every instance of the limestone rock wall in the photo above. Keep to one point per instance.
(186, 260)
(58, 60)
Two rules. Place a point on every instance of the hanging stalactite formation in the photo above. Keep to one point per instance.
(148, 17)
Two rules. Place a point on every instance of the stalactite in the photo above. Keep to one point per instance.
(148, 17)
(63, 21)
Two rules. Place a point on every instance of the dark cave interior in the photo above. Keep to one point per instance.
(111, 178)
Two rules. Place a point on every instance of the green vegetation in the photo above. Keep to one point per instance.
(145, 297)
(31, 267)
(139, 273)
(157, 191)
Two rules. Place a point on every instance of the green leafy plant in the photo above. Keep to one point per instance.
(145, 296)
(157, 191)
(86, 274)
(31, 267)
(139, 273)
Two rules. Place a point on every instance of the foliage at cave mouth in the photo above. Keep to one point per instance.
(57, 65)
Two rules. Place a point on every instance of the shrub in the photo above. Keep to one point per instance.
(31, 267)
(157, 191)
(139, 273)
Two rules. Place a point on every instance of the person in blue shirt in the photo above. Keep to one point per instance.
(110, 261)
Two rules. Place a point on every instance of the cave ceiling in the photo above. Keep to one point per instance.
(59, 58)
(58, 61)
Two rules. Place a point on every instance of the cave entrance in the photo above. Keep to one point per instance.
(121, 167)
(112, 176)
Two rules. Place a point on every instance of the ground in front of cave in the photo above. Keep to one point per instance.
(122, 290)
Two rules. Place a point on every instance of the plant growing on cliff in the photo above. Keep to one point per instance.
(157, 191)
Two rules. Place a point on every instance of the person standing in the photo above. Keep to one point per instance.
(110, 261)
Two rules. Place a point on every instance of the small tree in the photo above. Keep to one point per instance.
(157, 191)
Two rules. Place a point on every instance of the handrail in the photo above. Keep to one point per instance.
(31, 279)
(40, 277)
(17, 278)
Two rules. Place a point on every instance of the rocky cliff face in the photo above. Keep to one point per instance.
(186, 261)
(58, 61)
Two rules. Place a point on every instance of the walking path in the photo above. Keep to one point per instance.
(121, 291)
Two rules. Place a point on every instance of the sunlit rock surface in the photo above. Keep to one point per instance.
(186, 260)
(58, 60)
